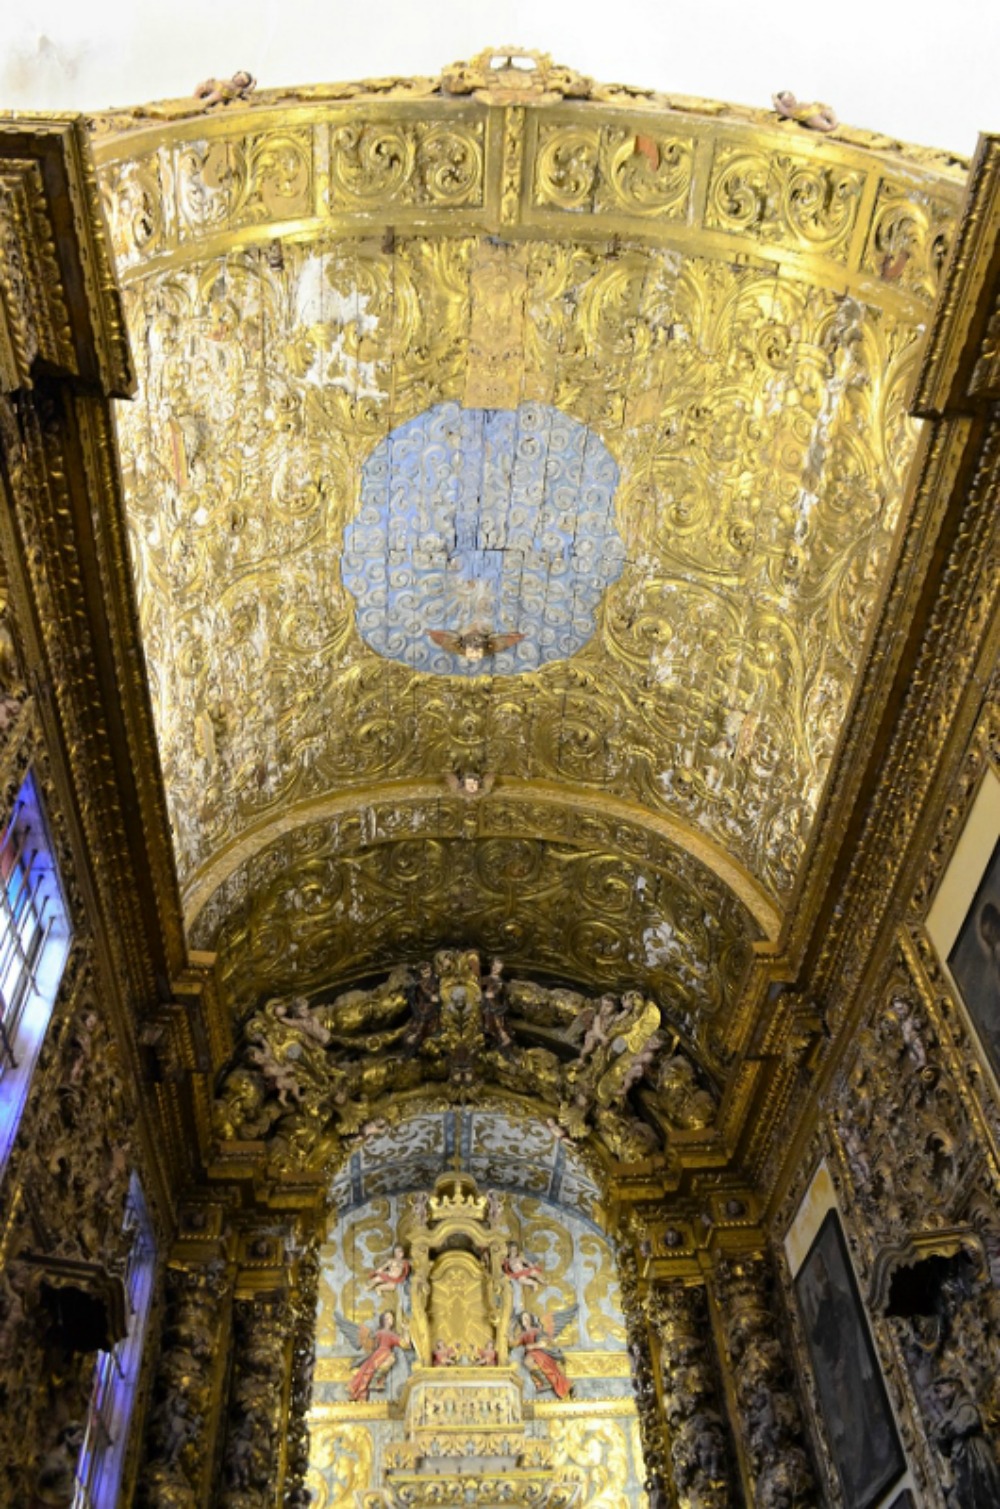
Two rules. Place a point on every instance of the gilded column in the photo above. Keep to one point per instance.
(253, 1457)
(775, 1458)
(689, 1384)
(184, 1419)
(651, 1429)
(303, 1361)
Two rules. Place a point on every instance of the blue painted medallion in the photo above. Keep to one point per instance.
(485, 540)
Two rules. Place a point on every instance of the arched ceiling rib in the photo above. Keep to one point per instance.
(324, 285)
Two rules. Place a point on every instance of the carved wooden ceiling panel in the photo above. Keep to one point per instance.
(482, 428)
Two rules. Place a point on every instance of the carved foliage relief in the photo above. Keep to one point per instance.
(63, 1211)
(604, 900)
(917, 1189)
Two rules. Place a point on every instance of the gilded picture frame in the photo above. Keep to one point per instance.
(964, 919)
(860, 1426)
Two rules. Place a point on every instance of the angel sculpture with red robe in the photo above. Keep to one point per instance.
(542, 1359)
(384, 1346)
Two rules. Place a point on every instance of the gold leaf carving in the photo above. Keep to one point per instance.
(781, 198)
(409, 163)
(608, 168)
(909, 239)
(238, 182)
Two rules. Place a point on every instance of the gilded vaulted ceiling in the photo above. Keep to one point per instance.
(507, 424)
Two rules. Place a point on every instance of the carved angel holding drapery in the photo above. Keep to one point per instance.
(382, 1352)
(543, 1360)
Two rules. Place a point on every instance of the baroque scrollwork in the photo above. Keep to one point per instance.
(309, 1077)
(903, 1126)
(421, 163)
(581, 167)
(722, 669)
(780, 197)
(598, 897)
(909, 1149)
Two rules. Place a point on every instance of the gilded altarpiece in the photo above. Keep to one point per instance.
(466, 1331)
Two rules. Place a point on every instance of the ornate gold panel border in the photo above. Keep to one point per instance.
(554, 810)
(831, 211)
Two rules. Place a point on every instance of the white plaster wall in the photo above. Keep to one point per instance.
(923, 70)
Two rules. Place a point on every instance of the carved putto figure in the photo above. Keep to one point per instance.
(470, 784)
(520, 1269)
(391, 1277)
(477, 642)
(225, 91)
(311, 1076)
(815, 117)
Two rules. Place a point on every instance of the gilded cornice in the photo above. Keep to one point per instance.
(58, 286)
(939, 725)
(841, 211)
(70, 594)
(961, 365)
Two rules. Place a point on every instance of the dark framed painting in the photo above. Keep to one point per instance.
(859, 1422)
(974, 960)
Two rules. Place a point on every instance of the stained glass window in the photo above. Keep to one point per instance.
(116, 1374)
(34, 943)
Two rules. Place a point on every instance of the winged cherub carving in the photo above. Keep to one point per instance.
(470, 784)
(815, 117)
(477, 642)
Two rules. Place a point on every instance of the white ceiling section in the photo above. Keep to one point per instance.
(924, 72)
